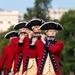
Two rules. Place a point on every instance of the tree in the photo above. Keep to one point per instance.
(29, 15)
(40, 10)
(68, 36)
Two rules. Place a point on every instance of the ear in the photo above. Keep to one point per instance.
(19, 30)
(32, 27)
(57, 31)
(46, 32)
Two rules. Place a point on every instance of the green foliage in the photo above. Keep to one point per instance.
(68, 36)
(29, 15)
(39, 10)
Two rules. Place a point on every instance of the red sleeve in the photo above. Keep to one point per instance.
(10, 59)
(19, 46)
(57, 48)
(11, 55)
(3, 58)
(32, 51)
(18, 49)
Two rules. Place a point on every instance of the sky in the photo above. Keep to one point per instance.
(22, 5)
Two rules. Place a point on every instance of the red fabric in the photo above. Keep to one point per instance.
(38, 74)
(5, 52)
(32, 53)
(12, 55)
(16, 58)
(24, 50)
(55, 49)
(5, 72)
(18, 49)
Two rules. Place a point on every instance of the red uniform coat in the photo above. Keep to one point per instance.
(24, 49)
(39, 51)
(5, 52)
(13, 56)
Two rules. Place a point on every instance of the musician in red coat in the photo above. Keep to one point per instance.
(23, 30)
(47, 50)
(13, 56)
(33, 25)
(6, 50)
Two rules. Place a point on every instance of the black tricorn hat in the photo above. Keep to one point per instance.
(34, 22)
(11, 34)
(20, 25)
(51, 25)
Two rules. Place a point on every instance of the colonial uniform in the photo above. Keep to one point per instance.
(13, 57)
(19, 65)
(31, 63)
(48, 53)
(21, 49)
(6, 50)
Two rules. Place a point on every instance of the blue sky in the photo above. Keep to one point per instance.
(21, 5)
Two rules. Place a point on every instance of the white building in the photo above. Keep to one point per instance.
(9, 18)
(57, 13)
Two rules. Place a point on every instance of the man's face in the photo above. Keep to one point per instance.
(24, 31)
(36, 29)
(51, 32)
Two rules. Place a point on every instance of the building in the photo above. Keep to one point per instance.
(57, 13)
(9, 18)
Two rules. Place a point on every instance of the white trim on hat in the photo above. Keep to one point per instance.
(59, 24)
(51, 22)
(9, 33)
(19, 23)
(32, 20)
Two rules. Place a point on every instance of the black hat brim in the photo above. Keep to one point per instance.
(51, 25)
(11, 34)
(20, 25)
(34, 22)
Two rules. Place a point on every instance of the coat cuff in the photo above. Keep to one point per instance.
(8, 71)
(20, 44)
(32, 46)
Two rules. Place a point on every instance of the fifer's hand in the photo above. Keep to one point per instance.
(30, 34)
(21, 37)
